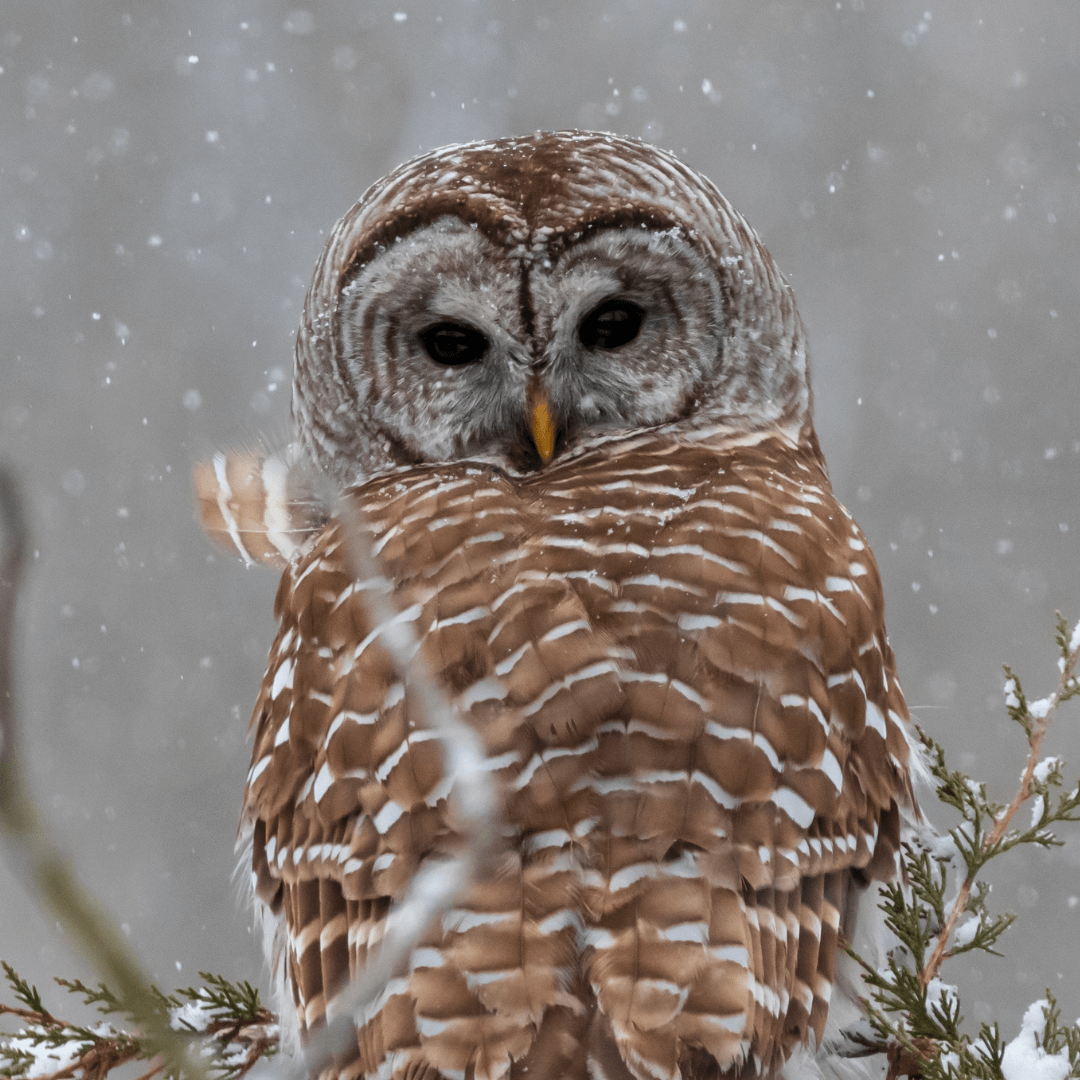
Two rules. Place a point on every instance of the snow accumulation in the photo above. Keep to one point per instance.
(1045, 768)
(1038, 805)
(1024, 1059)
(966, 931)
(943, 847)
(191, 1016)
(1011, 700)
(47, 1059)
(940, 993)
(1040, 708)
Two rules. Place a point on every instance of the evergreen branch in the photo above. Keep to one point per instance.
(223, 1024)
(913, 1015)
(1035, 718)
(23, 991)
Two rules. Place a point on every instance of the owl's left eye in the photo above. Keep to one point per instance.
(453, 344)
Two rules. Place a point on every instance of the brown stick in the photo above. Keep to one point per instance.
(1035, 741)
(43, 1019)
(12, 557)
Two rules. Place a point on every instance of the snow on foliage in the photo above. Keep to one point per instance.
(1025, 1058)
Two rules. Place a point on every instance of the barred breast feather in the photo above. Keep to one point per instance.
(673, 649)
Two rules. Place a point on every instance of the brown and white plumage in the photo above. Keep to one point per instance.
(665, 629)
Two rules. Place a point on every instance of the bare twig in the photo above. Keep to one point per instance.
(12, 557)
(1036, 736)
(32, 854)
(438, 884)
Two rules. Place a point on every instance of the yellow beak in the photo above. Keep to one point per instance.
(543, 427)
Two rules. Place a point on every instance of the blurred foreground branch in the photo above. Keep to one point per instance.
(438, 883)
(32, 855)
(55, 1049)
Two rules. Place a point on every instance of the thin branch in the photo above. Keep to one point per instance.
(44, 1019)
(96, 1062)
(1035, 740)
(33, 856)
(438, 884)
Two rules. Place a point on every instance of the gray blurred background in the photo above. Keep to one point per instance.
(167, 175)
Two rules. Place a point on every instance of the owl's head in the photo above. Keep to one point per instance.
(510, 301)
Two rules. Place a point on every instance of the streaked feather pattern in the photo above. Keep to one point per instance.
(685, 690)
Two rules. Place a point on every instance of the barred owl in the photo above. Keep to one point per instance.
(567, 387)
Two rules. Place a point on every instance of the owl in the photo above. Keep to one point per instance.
(565, 387)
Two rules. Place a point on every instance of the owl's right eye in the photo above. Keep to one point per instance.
(453, 344)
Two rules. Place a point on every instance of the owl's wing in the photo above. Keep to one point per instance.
(756, 771)
(347, 793)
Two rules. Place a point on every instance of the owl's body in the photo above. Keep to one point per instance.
(615, 541)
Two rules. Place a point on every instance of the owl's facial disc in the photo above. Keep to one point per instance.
(456, 347)
(603, 269)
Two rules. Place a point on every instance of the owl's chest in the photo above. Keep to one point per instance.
(588, 599)
(649, 641)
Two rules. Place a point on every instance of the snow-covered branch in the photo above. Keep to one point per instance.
(914, 1013)
(224, 1023)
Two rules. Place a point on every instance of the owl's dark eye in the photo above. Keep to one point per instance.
(453, 344)
(612, 324)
